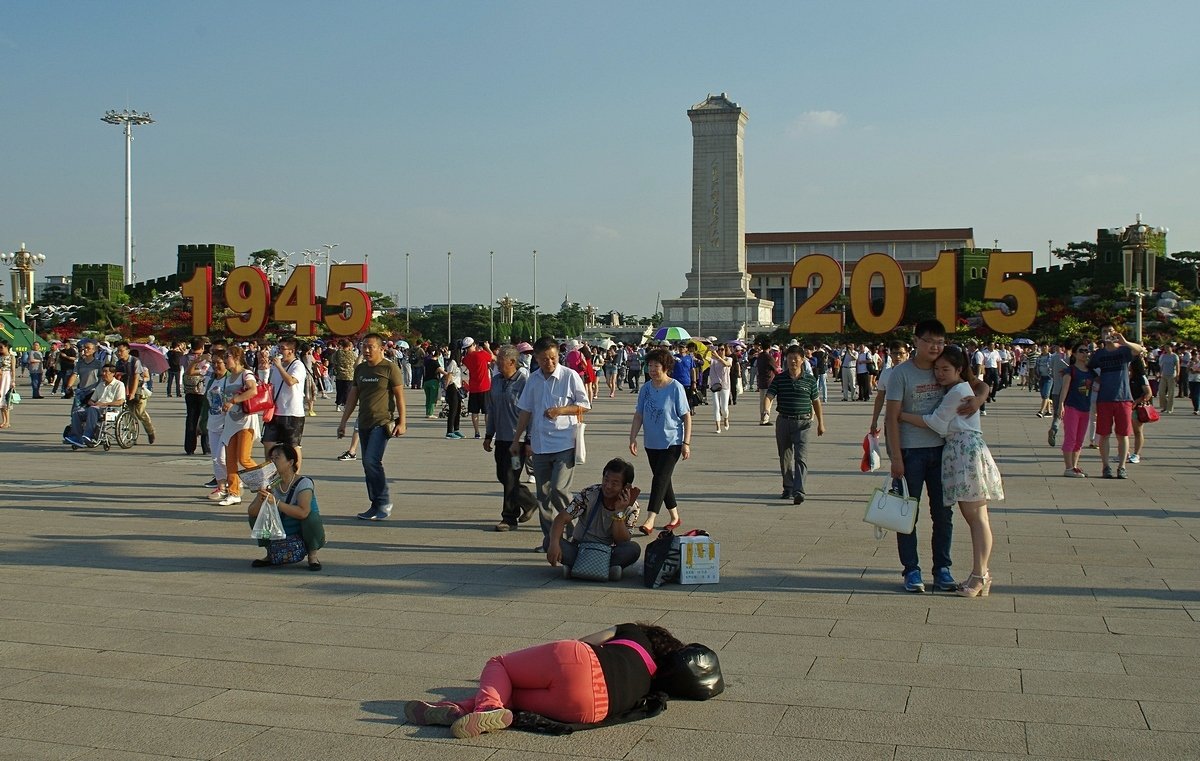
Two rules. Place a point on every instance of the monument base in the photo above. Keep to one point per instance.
(726, 317)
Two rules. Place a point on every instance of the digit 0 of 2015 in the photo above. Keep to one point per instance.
(941, 278)
(347, 310)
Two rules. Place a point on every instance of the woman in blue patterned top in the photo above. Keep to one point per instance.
(296, 497)
(663, 413)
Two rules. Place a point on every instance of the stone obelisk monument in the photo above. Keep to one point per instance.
(718, 300)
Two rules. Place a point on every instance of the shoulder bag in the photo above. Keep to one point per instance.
(1146, 413)
(593, 558)
(263, 401)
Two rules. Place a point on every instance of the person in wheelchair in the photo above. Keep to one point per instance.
(85, 421)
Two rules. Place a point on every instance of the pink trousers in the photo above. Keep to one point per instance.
(1075, 423)
(559, 680)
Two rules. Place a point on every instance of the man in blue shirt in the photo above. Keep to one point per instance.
(1114, 402)
(553, 400)
(684, 371)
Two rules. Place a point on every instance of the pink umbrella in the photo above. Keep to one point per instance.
(151, 357)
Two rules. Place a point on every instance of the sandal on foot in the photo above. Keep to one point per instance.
(314, 565)
(260, 563)
(646, 531)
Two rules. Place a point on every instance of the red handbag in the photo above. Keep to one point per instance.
(1147, 414)
(263, 401)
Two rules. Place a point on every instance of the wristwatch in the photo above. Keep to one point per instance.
(619, 515)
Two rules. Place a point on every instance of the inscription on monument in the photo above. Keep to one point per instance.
(714, 216)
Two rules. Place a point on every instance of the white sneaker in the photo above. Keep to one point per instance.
(218, 494)
(231, 499)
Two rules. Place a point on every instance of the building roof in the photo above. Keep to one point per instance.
(862, 236)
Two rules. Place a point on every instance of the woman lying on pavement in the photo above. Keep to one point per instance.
(572, 681)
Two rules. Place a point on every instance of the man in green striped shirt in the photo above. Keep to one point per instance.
(799, 404)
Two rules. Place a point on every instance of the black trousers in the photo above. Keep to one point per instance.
(662, 465)
(341, 390)
(453, 408)
(191, 425)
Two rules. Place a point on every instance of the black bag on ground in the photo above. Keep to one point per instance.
(661, 564)
(693, 673)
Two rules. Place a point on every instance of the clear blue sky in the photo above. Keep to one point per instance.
(421, 127)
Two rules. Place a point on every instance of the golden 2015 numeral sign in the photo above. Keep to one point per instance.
(941, 278)
(347, 310)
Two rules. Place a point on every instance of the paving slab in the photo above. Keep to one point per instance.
(133, 627)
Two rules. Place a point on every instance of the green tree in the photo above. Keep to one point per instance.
(1082, 252)
(1187, 257)
(265, 258)
(1187, 324)
(381, 300)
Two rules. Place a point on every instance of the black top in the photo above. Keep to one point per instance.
(625, 672)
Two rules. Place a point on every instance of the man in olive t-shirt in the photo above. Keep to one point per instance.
(376, 382)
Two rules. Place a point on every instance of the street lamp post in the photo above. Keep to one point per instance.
(407, 302)
(491, 296)
(536, 335)
(23, 264)
(449, 304)
(1138, 261)
(128, 119)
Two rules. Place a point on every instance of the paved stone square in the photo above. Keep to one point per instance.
(132, 626)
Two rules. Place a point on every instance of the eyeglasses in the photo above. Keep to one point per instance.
(932, 343)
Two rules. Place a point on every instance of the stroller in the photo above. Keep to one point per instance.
(462, 405)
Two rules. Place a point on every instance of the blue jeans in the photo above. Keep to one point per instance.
(923, 468)
(374, 443)
(35, 381)
(552, 472)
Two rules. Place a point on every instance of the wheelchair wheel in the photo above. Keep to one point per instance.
(125, 429)
(106, 445)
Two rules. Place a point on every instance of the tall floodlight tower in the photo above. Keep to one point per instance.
(129, 119)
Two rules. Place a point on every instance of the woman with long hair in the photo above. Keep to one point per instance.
(7, 383)
(720, 381)
(241, 428)
(573, 681)
(451, 376)
(1139, 389)
(969, 474)
(664, 416)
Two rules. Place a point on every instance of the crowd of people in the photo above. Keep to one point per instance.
(527, 403)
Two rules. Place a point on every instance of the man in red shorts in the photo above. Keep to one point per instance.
(1114, 403)
(478, 361)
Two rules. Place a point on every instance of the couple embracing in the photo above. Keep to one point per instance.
(935, 442)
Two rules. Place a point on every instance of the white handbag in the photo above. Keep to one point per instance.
(890, 510)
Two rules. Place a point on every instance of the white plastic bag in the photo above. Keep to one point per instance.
(580, 444)
(870, 459)
(268, 525)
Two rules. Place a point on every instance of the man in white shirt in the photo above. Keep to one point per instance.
(85, 421)
(553, 399)
(287, 383)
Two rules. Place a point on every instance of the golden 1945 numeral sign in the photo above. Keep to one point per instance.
(347, 311)
(941, 278)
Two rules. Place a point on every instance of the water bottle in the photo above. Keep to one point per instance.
(516, 462)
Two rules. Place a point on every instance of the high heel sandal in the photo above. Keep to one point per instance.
(984, 588)
(646, 531)
(673, 525)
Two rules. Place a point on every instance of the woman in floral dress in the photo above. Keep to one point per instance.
(969, 474)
